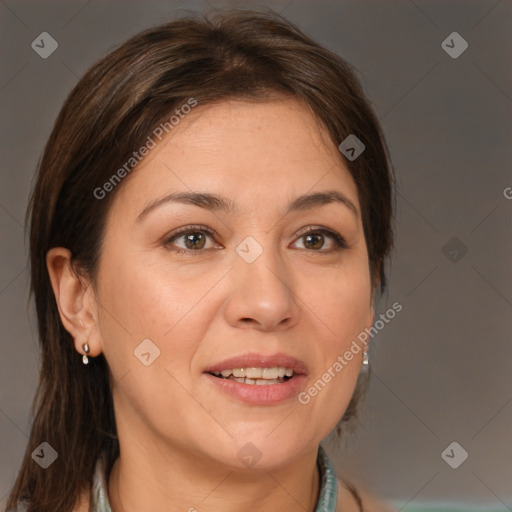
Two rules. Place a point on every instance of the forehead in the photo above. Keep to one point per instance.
(254, 153)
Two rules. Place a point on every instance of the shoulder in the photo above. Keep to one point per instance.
(348, 502)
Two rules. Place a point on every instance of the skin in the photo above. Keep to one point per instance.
(179, 435)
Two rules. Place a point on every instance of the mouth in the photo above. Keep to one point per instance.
(258, 379)
(256, 376)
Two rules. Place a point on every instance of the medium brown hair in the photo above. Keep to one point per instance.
(246, 55)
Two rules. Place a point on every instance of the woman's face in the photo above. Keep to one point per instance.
(241, 287)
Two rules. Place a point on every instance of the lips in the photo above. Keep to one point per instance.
(253, 360)
(261, 392)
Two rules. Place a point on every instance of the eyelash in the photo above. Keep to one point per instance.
(339, 241)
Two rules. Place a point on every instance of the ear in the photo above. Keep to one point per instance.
(75, 300)
(373, 299)
(370, 316)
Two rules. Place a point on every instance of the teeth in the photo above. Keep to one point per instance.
(272, 373)
(253, 374)
(263, 382)
(256, 382)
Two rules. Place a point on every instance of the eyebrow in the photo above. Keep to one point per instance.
(214, 202)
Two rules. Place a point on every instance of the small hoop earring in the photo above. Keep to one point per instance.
(85, 359)
(366, 361)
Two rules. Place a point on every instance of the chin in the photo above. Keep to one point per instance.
(260, 450)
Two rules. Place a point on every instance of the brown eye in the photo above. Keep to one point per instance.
(194, 240)
(314, 240)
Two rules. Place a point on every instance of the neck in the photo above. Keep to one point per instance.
(148, 480)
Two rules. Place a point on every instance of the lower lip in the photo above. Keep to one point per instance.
(266, 394)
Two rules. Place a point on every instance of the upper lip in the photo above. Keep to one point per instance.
(253, 360)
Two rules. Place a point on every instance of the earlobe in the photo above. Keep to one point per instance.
(76, 313)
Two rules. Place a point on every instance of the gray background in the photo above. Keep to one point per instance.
(441, 367)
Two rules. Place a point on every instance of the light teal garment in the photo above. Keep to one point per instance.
(327, 497)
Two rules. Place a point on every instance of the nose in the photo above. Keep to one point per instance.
(261, 294)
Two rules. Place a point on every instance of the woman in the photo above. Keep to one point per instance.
(209, 232)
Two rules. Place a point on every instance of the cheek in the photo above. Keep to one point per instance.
(351, 315)
(341, 307)
(142, 301)
(341, 297)
(146, 298)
